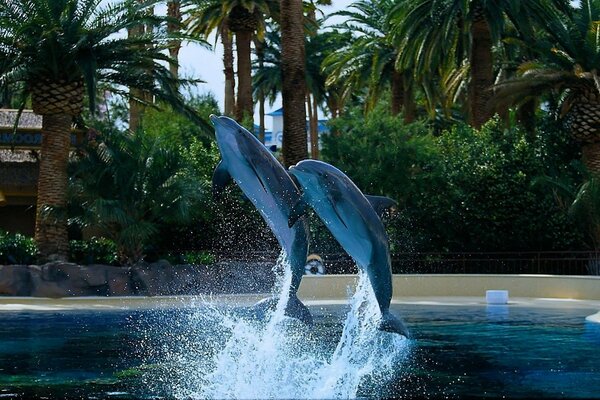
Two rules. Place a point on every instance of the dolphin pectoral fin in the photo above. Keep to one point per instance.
(381, 204)
(390, 323)
(220, 180)
(298, 210)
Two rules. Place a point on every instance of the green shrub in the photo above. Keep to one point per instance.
(93, 251)
(198, 258)
(464, 190)
(16, 249)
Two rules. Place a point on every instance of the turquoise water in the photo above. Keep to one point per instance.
(198, 352)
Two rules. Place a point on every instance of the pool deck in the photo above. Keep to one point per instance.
(459, 290)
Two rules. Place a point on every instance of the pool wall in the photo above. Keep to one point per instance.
(331, 287)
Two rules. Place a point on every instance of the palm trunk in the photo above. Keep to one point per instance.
(408, 107)
(261, 118)
(135, 107)
(584, 122)
(314, 130)
(309, 113)
(397, 92)
(260, 55)
(293, 75)
(174, 12)
(526, 117)
(51, 231)
(482, 75)
(245, 108)
(228, 70)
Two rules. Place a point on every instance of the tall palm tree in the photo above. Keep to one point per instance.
(293, 78)
(174, 25)
(430, 31)
(62, 49)
(244, 18)
(369, 59)
(567, 64)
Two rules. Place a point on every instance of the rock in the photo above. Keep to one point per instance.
(15, 280)
(62, 279)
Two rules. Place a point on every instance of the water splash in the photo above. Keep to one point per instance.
(234, 356)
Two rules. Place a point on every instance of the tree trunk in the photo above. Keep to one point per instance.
(397, 92)
(228, 70)
(526, 117)
(309, 114)
(174, 12)
(409, 107)
(260, 55)
(135, 107)
(583, 120)
(51, 230)
(482, 74)
(261, 118)
(314, 130)
(245, 108)
(293, 75)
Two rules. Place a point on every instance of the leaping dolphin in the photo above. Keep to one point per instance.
(354, 223)
(266, 183)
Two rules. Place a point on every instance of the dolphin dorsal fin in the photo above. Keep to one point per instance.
(381, 203)
(298, 210)
(220, 180)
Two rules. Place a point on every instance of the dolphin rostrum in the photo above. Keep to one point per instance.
(354, 223)
(266, 183)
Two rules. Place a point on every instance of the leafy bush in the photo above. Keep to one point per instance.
(93, 251)
(16, 249)
(464, 190)
(129, 186)
(199, 258)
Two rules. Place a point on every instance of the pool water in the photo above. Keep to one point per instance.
(457, 351)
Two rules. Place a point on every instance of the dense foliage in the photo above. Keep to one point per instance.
(16, 249)
(464, 190)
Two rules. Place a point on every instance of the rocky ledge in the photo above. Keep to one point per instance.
(61, 279)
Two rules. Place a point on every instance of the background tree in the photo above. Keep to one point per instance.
(566, 63)
(60, 50)
(368, 60)
(293, 77)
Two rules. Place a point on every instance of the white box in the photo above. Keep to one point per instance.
(496, 296)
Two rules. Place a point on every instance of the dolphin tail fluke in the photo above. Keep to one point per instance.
(294, 309)
(390, 323)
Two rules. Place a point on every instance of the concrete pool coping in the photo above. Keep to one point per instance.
(457, 290)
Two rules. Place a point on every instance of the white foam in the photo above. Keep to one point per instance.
(593, 318)
(283, 358)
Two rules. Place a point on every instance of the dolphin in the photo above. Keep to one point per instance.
(354, 223)
(266, 183)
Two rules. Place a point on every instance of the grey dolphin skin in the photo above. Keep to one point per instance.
(266, 183)
(354, 223)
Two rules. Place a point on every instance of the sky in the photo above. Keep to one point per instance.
(198, 62)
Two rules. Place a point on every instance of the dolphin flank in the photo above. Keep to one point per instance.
(265, 182)
(354, 223)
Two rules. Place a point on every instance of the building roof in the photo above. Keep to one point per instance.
(276, 113)
(28, 119)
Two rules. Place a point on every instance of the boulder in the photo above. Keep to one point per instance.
(15, 280)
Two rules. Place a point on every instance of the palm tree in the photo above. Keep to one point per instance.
(174, 25)
(244, 18)
(369, 59)
(293, 78)
(430, 31)
(204, 17)
(567, 65)
(61, 49)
